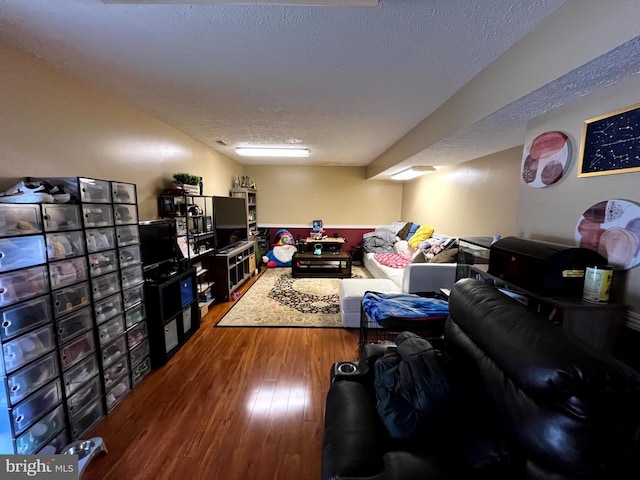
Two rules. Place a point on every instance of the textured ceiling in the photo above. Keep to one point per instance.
(346, 82)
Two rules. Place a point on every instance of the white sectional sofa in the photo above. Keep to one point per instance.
(413, 278)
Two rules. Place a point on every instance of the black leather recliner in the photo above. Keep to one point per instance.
(528, 402)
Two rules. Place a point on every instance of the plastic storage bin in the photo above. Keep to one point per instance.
(21, 252)
(18, 220)
(116, 371)
(114, 351)
(127, 235)
(105, 285)
(97, 215)
(87, 419)
(140, 371)
(28, 347)
(131, 276)
(123, 192)
(41, 433)
(130, 256)
(140, 352)
(77, 402)
(103, 262)
(76, 350)
(99, 239)
(125, 214)
(58, 218)
(23, 284)
(95, 191)
(24, 316)
(134, 316)
(111, 329)
(117, 393)
(74, 324)
(26, 413)
(65, 245)
(108, 308)
(132, 296)
(68, 272)
(70, 299)
(77, 376)
(136, 334)
(26, 381)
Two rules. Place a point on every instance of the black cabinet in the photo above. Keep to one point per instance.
(172, 314)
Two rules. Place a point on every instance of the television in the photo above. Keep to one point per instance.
(158, 245)
(230, 219)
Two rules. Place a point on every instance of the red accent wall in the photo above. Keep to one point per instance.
(352, 235)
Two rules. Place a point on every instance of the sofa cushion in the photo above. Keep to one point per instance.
(446, 256)
(421, 235)
(403, 233)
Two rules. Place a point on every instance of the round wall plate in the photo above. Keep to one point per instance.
(612, 228)
(546, 159)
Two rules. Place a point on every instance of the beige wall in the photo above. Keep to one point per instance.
(340, 196)
(477, 198)
(552, 213)
(52, 124)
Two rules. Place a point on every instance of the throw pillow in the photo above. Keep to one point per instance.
(404, 231)
(421, 235)
(414, 228)
(449, 255)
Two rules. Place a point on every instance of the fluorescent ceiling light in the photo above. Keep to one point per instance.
(272, 152)
(412, 172)
(314, 3)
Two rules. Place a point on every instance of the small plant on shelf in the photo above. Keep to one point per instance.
(186, 178)
(189, 183)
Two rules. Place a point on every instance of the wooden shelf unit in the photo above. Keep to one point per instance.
(231, 268)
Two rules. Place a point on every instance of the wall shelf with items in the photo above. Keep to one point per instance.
(195, 230)
(251, 199)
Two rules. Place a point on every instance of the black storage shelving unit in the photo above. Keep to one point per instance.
(174, 316)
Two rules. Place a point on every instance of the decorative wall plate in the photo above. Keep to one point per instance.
(612, 228)
(546, 159)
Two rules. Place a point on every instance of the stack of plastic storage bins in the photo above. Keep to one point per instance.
(32, 414)
(132, 281)
(73, 314)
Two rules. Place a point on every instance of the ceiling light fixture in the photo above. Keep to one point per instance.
(412, 172)
(272, 152)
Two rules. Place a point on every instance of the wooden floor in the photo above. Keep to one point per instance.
(232, 404)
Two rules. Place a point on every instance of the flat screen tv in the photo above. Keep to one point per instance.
(158, 243)
(230, 218)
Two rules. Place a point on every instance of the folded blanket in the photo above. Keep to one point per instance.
(393, 260)
(383, 306)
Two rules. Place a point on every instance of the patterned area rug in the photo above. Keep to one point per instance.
(278, 300)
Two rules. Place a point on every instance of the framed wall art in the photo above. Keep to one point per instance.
(546, 159)
(611, 143)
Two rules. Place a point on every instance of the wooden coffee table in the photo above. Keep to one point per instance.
(325, 265)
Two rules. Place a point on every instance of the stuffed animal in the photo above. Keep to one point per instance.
(282, 252)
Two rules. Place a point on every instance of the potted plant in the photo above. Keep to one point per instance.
(189, 183)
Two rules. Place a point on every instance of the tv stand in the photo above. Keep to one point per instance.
(232, 267)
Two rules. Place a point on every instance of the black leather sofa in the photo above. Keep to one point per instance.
(526, 401)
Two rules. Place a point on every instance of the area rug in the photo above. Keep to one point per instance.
(278, 300)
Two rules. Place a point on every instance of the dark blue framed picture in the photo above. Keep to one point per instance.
(611, 143)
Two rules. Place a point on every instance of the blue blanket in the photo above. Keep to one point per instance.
(383, 306)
